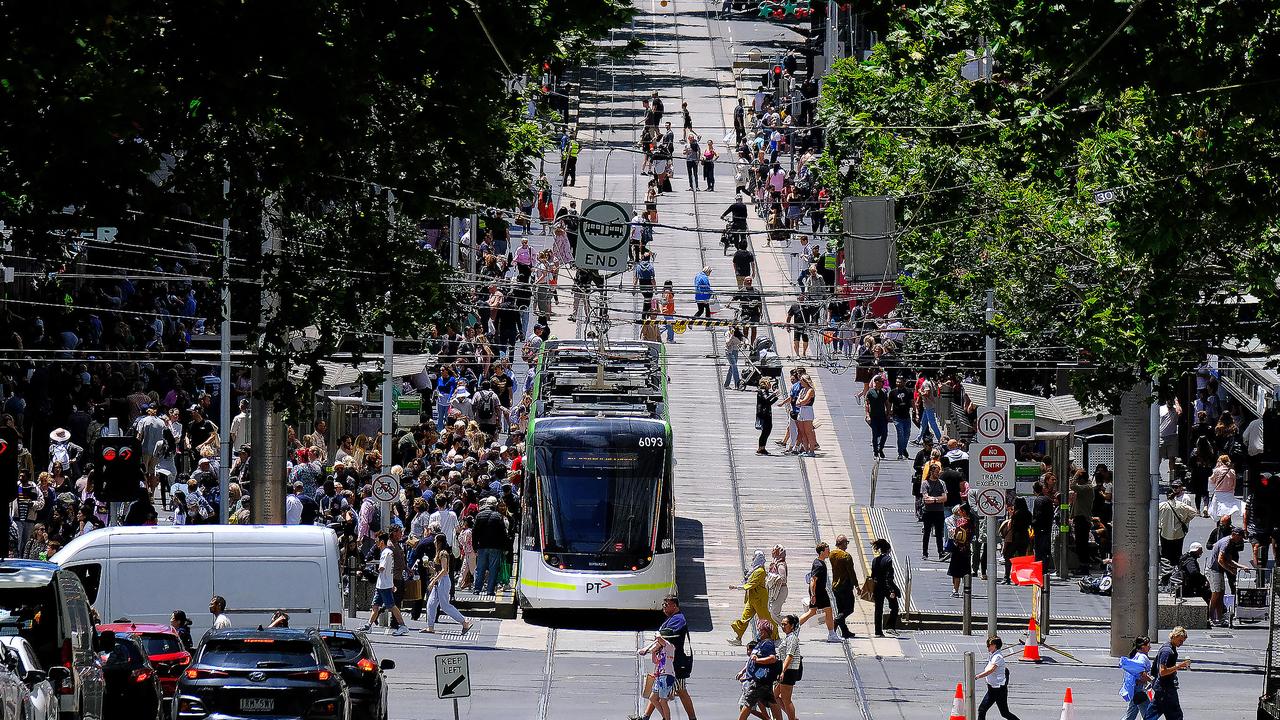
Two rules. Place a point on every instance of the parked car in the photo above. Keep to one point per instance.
(41, 702)
(132, 686)
(277, 672)
(13, 693)
(50, 608)
(362, 671)
(164, 649)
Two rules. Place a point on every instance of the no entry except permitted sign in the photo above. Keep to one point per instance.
(995, 467)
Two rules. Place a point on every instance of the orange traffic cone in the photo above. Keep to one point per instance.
(957, 705)
(1068, 711)
(1031, 649)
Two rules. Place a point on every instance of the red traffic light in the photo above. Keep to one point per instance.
(109, 454)
(126, 453)
(4, 446)
(777, 69)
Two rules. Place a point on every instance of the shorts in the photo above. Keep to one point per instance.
(664, 686)
(792, 676)
(821, 600)
(805, 413)
(681, 684)
(1217, 581)
(757, 691)
(385, 597)
(799, 336)
(1262, 534)
(1168, 448)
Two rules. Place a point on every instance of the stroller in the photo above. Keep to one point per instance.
(762, 362)
(1247, 604)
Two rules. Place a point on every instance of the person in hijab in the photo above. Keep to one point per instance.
(776, 580)
(757, 599)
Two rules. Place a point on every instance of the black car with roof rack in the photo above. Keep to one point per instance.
(362, 671)
(275, 673)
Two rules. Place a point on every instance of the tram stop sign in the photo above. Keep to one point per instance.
(603, 235)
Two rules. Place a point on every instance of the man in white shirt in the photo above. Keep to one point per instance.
(238, 424)
(384, 589)
(293, 506)
(1170, 416)
(446, 519)
(997, 682)
(218, 608)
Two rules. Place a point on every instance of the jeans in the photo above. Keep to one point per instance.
(929, 422)
(879, 598)
(879, 434)
(998, 696)
(670, 328)
(1166, 703)
(732, 376)
(932, 521)
(709, 175)
(692, 166)
(704, 309)
(766, 427)
(1140, 705)
(488, 562)
(903, 426)
(442, 414)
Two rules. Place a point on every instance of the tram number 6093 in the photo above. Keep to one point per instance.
(650, 442)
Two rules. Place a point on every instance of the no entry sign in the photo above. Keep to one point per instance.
(995, 466)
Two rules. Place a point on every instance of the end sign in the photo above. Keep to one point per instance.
(996, 463)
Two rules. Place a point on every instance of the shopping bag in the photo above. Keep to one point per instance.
(867, 591)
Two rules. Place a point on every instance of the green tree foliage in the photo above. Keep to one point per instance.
(1173, 103)
(133, 112)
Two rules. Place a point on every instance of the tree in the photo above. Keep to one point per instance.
(133, 112)
(1170, 104)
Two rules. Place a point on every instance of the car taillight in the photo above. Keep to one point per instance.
(366, 665)
(321, 675)
(141, 675)
(185, 659)
(68, 686)
(199, 673)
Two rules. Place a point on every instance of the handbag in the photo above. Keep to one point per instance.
(413, 589)
(867, 591)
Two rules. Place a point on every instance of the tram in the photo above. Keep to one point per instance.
(598, 528)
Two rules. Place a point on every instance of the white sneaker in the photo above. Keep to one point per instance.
(833, 638)
(402, 630)
(365, 627)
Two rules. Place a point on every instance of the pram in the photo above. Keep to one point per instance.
(762, 362)
(1250, 601)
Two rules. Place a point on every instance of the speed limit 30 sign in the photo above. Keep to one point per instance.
(996, 466)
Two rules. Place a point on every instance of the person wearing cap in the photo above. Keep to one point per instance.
(1176, 511)
(1224, 562)
(1193, 579)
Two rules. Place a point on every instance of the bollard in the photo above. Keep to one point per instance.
(968, 605)
(1044, 609)
(970, 709)
(875, 477)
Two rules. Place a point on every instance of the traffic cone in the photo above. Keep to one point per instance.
(957, 705)
(1031, 649)
(1068, 711)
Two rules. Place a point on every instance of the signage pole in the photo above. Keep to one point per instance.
(992, 522)
(455, 709)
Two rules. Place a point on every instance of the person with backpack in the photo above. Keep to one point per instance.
(486, 409)
(761, 671)
(676, 629)
(1134, 689)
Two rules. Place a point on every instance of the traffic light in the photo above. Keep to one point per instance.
(8, 464)
(117, 468)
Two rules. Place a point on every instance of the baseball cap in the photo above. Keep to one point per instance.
(1196, 547)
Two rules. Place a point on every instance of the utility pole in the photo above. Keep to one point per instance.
(266, 502)
(1153, 553)
(991, 522)
(224, 393)
(388, 378)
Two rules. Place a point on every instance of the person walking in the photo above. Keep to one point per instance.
(900, 405)
(441, 585)
(792, 665)
(709, 157)
(766, 398)
(662, 653)
(1174, 515)
(934, 496)
(692, 154)
(491, 542)
(384, 590)
(886, 586)
(756, 602)
(675, 627)
(876, 412)
(776, 580)
(961, 535)
(1167, 665)
(702, 293)
(668, 308)
(997, 676)
(1222, 483)
(819, 598)
(733, 342)
(1137, 677)
(844, 581)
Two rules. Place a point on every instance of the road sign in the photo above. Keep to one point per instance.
(386, 488)
(995, 467)
(603, 235)
(453, 677)
(991, 502)
(992, 424)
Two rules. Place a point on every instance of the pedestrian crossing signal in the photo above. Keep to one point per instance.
(117, 469)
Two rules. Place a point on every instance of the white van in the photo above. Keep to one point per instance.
(145, 573)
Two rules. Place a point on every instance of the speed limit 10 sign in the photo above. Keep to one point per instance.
(993, 423)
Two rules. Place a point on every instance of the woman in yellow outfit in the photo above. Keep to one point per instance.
(757, 601)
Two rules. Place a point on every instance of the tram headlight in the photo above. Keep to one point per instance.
(554, 561)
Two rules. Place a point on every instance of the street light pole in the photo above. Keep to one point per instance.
(991, 521)
(224, 391)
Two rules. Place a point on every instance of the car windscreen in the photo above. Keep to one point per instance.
(160, 644)
(599, 501)
(344, 649)
(260, 653)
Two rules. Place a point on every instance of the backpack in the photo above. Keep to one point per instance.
(684, 659)
(485, 405)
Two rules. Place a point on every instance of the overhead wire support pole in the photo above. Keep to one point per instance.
(224, 389)
(388, 379)
(992, 523)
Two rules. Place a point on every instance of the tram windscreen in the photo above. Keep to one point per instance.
(599, 501)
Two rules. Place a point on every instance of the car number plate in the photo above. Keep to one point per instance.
(257, 704)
